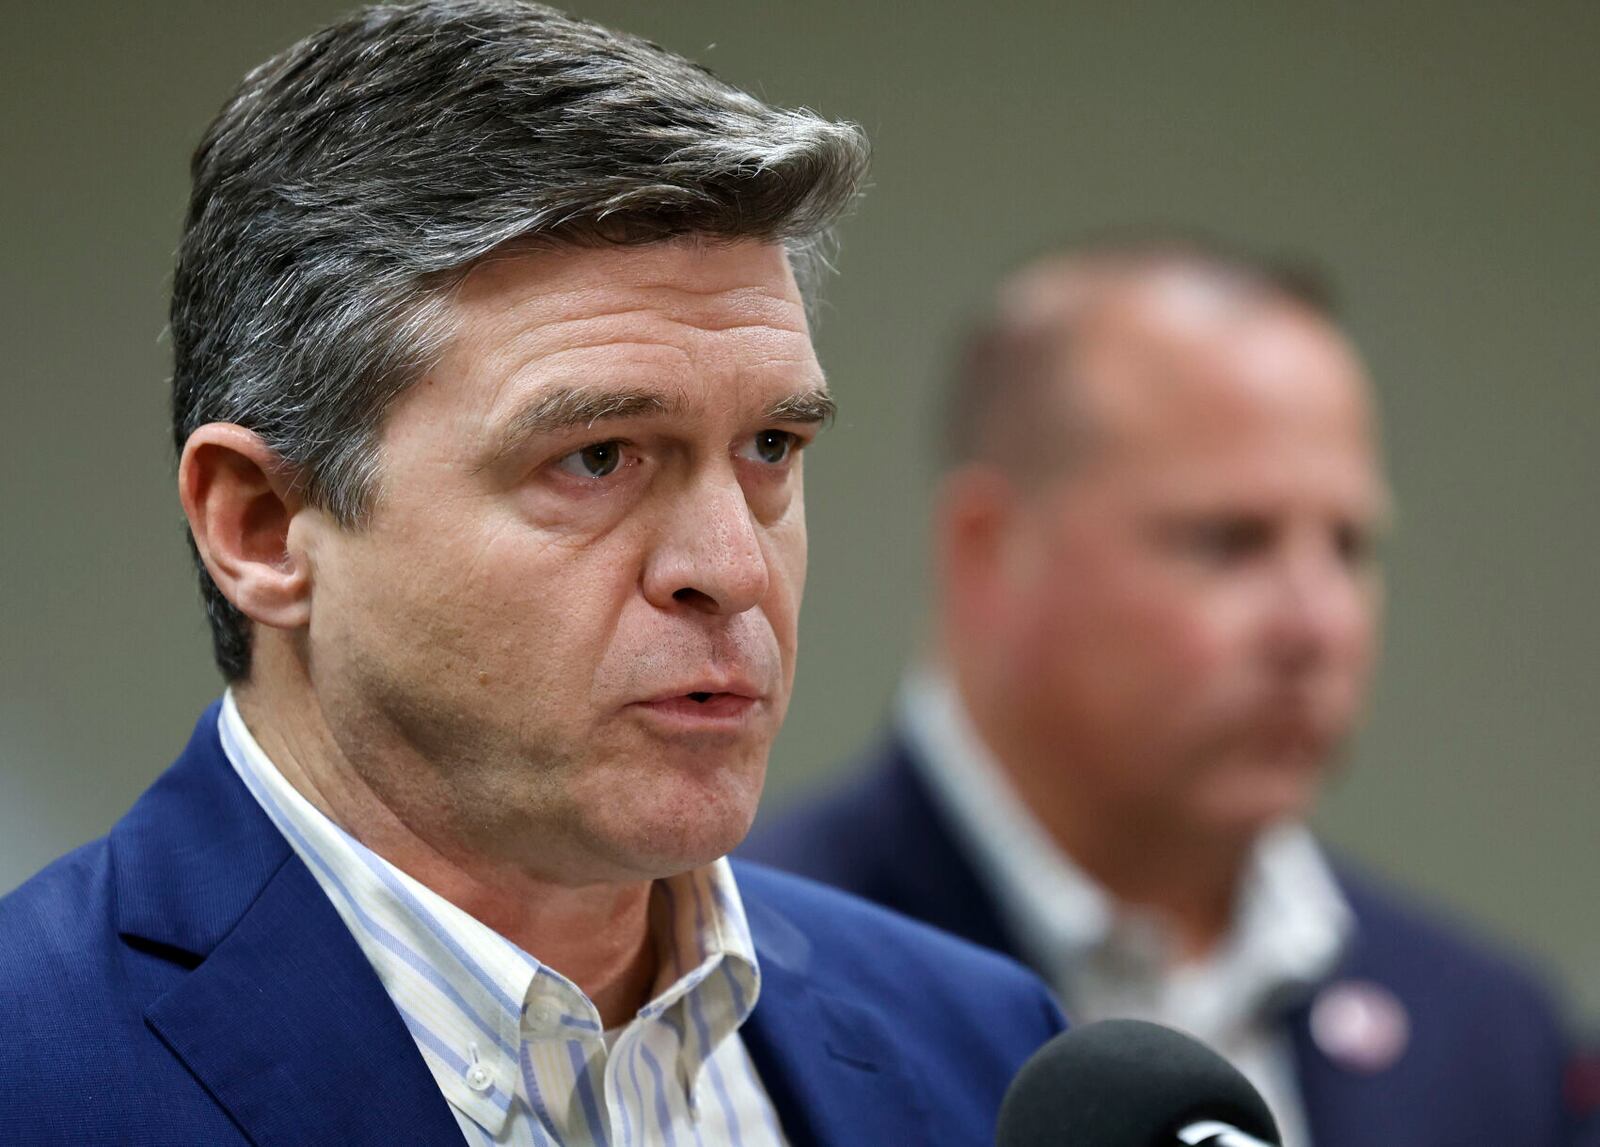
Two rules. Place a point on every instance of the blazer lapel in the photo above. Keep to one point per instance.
(286, 1025)
(1350, 1105)
(281, 1018)
(830, 1065)
(942, 888)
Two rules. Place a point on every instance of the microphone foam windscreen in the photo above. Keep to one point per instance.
(1126, 1083)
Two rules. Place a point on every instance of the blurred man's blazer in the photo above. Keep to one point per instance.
(1485, 1054)
(186, 981)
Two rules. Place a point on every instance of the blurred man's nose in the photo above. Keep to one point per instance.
(708, 555)
(1321, 607)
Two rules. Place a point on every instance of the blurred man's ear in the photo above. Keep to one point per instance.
(974, 512)
(240, 499)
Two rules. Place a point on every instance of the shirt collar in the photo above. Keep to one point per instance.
(706, 954)
(1290, 927)
(470, 996)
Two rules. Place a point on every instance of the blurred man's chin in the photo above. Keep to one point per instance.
(1255, 797)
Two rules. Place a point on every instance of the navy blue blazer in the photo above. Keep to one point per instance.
(1485, 1056)
(185, 981)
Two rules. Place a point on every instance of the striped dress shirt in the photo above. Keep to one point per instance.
(517, 1050)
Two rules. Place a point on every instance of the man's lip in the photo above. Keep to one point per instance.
(707, 688)
(702, 709)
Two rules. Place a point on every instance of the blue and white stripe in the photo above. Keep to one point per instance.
(516, 1049)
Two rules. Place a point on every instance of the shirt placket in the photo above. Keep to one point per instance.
(564, 1060)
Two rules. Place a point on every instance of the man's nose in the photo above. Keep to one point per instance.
(708, 556)
(1321, 608)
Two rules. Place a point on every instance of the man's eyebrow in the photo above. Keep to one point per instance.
(808, 406)
(566, 407)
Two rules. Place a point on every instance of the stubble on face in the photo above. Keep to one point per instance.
(489, 644)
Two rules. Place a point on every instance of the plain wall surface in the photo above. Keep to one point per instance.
(1440, 159)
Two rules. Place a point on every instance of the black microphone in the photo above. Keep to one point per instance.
(1127, 1083)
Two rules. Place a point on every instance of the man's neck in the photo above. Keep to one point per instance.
(595, 934)
(1140, 861)
(1191, 884)
(1192, 888)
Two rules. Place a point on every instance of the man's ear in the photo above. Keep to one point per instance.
(239, 498)
(973, 515)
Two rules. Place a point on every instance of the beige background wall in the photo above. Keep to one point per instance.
(1442, 159)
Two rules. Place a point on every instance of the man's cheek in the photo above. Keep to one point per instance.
(1196, 653)
(784, 551)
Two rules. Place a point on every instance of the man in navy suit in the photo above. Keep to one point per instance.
(492, 381)
(1158, 605)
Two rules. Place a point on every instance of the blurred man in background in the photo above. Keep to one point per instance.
(1158, 611)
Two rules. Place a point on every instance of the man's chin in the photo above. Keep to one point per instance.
(677, 831)
(667, 851)
(1253, 800)
(644, 809)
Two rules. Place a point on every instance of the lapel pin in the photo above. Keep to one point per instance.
(1361, 1026)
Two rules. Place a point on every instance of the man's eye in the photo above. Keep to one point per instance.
(596, 461)
(1356, 545)
(772, 447)
(1225, 540)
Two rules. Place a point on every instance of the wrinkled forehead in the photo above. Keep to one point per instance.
(549, 341)
(569, 305)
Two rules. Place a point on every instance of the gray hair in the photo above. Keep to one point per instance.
(350, 183)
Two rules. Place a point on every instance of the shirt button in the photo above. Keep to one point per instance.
(479, 1078)
(543, 1014)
